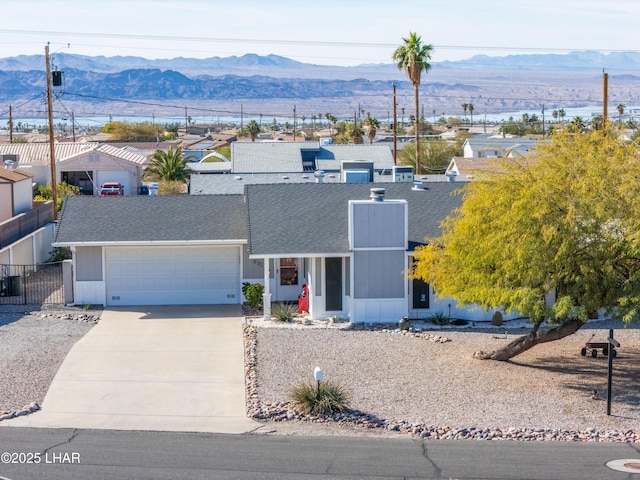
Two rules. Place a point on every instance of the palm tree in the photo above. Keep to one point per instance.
(253, 129)
(562, 114)
(576, 125)
(470, 107)
(413, 57)
(554, 114)
(464, 107)
(374, 125)
(170, 166)
(620, 108)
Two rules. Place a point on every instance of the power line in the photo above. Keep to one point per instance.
(318, 43)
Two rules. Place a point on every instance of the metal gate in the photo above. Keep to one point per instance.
(31, 284)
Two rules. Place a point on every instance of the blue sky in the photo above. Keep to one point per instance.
(324, 32)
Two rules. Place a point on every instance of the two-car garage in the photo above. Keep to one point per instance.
(172, 275)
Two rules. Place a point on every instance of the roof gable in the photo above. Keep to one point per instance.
(313, 218)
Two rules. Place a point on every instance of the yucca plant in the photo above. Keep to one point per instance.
(284, 312)
(320, 399)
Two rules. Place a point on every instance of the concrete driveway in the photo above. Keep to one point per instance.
(174, 368)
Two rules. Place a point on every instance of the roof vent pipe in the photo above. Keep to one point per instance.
(319, 176)
(377, 194)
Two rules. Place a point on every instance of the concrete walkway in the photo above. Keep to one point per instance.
(175, 368)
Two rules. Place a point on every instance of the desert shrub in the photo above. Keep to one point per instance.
(284, 312)
(59, 254)
(320, 399)
(253, 293)
(439, 318)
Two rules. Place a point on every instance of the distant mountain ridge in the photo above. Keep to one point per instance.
(492, 84)
(278, 66)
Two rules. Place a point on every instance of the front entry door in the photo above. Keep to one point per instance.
(333, 269)
(420, 294)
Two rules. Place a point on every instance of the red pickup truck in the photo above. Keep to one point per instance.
(109, 189)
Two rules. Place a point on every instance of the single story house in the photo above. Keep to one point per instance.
(496, 146)
(351, 244)
(86, 165)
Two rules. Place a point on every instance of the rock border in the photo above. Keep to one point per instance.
(285, 411)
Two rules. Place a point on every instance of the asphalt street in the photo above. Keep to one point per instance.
(28, 453)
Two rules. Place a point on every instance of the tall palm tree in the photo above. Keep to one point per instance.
(554, 114)
(413, 57)
(464, 107)
(562, 114)
(170, 166)
(620, 108)
(471, 108)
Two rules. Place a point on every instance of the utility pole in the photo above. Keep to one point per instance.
(543, 121)
(605, 100)
(10, 125)
(395, 127)
(294, 123)
(241, 118)
(52, 156)
(186, 121)
(73, 127)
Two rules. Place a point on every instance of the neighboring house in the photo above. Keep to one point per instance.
(495, 146)
(86, 165)
(304, 157)
(351, 250)
(294, 162)
(462, 169)
(16, 192)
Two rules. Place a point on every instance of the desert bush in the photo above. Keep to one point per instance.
(320, 399)
(439, 318)
(284, 312)
(253, 293)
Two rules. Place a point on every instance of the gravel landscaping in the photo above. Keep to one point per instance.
(428, 384)
(34, 341)
(424, 382)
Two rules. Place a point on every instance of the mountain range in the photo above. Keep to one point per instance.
(492, 84)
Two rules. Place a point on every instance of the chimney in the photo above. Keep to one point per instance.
(377, 194)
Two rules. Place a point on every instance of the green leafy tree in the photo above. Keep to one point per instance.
(545, 224)
(437, 155)
(413, 57)
(63, 189)
(132, 132)
(169, 166)
(349, 132)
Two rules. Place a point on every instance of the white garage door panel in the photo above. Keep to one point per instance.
(173, 275)
(123, 177)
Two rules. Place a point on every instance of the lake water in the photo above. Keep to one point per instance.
(586, 113)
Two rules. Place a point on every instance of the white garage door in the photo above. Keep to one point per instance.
(121, 176)
(173, 275)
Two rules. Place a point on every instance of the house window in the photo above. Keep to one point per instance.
(94, 157)
(288, 271)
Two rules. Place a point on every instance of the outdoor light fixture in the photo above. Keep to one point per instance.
(318, 374)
